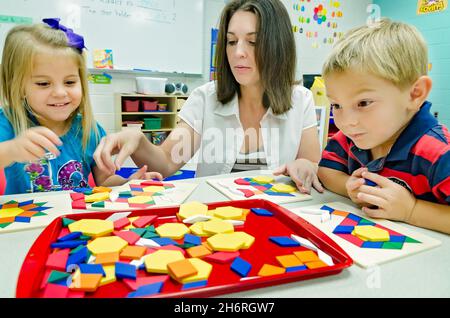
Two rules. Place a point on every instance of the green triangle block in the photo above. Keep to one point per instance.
(84, 238)
(411, 240)
(11, 202)
(56, 276)
(139, 231)
(150, 228)
(364, 221)
(125, 194)
(76, 249)
(40, 214)
(99, 204)
(40, 203)
(3, 225)
(88, 192)
(150, 235)
(157, 194)
(67, 221)
(392, 245)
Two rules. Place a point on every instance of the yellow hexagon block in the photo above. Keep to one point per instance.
(228, 212)
(157, 261)
(217, 226)
(172, 230)
(92, 227)
(246, 238)
(191, 209)
(226, 242)
(283, 188)
(95, 197)
(140, 199)
(109, 244)
(153, 189)
(372, 233)
(263, 179)
(203, 271)
(197, 229)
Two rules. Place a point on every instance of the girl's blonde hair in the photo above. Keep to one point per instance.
(394, 51)
(22, 44)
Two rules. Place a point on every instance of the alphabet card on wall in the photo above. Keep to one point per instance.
(134, 195)
(368, 241)
(275, 189)
(24, 212)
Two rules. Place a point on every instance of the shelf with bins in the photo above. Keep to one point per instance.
(155, 115)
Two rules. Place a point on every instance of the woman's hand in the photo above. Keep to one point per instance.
(123, 143)
(392, 201)
(33, 144)
(303, 172)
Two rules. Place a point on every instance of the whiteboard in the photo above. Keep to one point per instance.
(156, 35)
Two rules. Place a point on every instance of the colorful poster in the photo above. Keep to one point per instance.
(431, 6)
(103, 58)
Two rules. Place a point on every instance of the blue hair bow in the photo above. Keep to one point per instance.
(75, 40)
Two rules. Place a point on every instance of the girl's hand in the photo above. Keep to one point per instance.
(303, 172)
(123, 143)
(34, 143)
(393, 201)
(142, 174)
(353, 184)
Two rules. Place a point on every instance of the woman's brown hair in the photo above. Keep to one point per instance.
(274, 53)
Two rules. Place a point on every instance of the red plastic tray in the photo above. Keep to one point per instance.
(222, 280)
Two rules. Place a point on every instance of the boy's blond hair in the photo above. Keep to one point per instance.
(22, 44)
(391, 50)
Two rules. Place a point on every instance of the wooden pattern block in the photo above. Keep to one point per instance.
(284, 241)
(58, 260)
(145, 280)
(79, 205)
(121, 223)
(222, 257)
(181, 269)
(228, 213)
(157, 261)
(123, 270)
(172, 230)
(110, 275)
(147, 290)
(107, 258)
(92, 227)
(109, 244)
(101, 189)
(133, 252)
(289, 260)
(241, 267)
(140, 199)
(226, 242)
(246, 238)
(144, 220)
(197, 229)
(86, 282)
(269, 270)
(55, 291)
(75, 196)
(203, 271)
(371, 233)
(283, 188)
(129, 236)
(261, 212)
(316, 264)
(263, 179)
(307, 256)
(217, 226)
(95, 197)
(191, 209)
(198, 251)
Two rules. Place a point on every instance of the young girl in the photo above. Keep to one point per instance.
(47, 130)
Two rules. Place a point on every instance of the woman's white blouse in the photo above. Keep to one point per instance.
(222, 134)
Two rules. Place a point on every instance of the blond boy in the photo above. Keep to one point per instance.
(391, 156)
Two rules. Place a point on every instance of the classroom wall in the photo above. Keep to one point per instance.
(102, 95)
(436, 29)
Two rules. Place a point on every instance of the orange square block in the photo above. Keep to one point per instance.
(307, 256)
(133, 252)
(289, 260)
(107, 258)
(86, 282)
(181, 269)
(198, 251)
(316, 264)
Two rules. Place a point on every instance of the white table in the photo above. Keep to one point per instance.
(426, 274)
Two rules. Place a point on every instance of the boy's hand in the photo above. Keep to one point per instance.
(353, 184)
(33, 144)
(394, 202)
(303, 172)
(142, 174)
